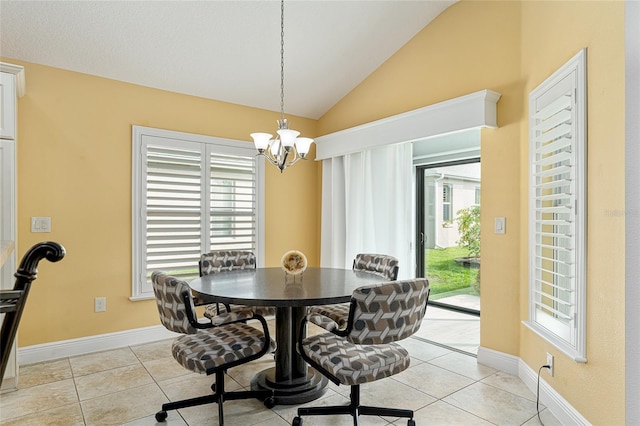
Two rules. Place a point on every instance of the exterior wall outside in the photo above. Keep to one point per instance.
(463, 196)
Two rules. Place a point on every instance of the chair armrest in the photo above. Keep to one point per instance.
(242, 315)
(323, 321)
(234, 316)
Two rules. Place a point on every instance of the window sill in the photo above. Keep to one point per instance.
(556, 342)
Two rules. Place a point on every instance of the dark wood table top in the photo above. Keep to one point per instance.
(270, 286)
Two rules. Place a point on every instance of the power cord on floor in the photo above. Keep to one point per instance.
(538, 393)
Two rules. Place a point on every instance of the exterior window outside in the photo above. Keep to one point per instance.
(446, 202)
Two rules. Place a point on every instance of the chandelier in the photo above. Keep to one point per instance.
(286, 148)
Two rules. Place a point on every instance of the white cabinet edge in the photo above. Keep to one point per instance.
(18, 71)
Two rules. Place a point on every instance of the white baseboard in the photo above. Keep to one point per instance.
(85, 345)
(499, 360)
(559, 407)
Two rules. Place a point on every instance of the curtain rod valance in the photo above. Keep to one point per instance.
(467, 112)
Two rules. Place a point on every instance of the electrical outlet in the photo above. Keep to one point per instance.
(550, 364)
(101, 304)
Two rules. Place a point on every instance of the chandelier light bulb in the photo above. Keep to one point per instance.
(261, 141)
(275, 147)
(303, 145)
(288, 137)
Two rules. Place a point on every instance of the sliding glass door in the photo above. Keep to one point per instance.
(448, 232)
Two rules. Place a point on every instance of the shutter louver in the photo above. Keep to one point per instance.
(233, 202)
(553, 172)
(173, 207)
(557, 209)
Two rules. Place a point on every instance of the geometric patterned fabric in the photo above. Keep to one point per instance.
(208, 351)
(229, 260)
(355, 364)
(384, 313)
(226, 260)
(378, 264)
(388, 312)
(203, 350)
(171, 306)
(210, 311)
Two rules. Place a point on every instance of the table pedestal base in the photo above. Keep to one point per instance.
(290, 392)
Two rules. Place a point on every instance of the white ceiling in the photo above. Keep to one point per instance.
(224, 50)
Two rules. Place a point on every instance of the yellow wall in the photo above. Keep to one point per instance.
(511, 47)
(552, 32)
(74, 164)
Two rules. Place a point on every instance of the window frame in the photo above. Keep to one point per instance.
(568, 336)
(447, 201)
(141, 136)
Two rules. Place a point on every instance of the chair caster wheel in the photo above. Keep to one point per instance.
(297, 421)
(411, 423)
(270, 402)
(161, 416)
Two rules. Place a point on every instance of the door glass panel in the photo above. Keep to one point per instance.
(451, 234)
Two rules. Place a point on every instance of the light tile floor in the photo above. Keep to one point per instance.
(127, 386)
(452, 329)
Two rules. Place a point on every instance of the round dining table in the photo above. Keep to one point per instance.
(291, 380)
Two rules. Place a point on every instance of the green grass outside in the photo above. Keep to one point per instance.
(446, 275)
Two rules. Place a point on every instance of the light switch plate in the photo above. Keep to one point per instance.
(500, 225)
(40, 224)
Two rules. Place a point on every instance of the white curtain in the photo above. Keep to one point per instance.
(367, 207)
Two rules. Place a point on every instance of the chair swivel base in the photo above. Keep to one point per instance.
(354, 409)
(219, 397)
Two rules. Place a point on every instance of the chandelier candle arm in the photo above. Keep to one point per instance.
(286, 142)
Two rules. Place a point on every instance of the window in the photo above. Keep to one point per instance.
(557, 209)
(476, 200)
(191, 194)
(447, 212)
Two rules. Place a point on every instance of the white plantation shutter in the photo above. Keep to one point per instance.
(173, 209)
(191, 194)
(233, 202)
(557, 244)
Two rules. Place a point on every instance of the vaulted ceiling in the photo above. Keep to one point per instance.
(224, 50)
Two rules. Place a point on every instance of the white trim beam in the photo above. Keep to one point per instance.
(473, 111)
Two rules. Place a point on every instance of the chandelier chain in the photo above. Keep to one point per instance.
(282, 60)
(286, 148)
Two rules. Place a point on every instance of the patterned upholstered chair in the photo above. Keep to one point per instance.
(379, 264)
(208, 348)
(223, 260)
(366, 350)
